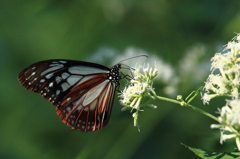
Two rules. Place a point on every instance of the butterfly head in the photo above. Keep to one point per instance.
(114, 74)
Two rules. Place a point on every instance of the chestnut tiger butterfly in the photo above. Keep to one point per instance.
(82, 92)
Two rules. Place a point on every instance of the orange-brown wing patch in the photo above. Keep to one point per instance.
(88, 106)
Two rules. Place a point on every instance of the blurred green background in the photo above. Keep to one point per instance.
(33, 30)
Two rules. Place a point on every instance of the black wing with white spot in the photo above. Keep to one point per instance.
(83, 92)
(53, 79)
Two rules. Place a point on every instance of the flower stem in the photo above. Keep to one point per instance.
(182, 103)
(203, 112)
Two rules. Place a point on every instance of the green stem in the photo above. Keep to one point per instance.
(188, 105)
(169, 100)
(182, 103)
(203, 112)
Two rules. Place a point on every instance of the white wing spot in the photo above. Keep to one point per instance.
(85, 70)
(48, 76)
(64, 86)
(63, 61)
(57, 92)
(58, 79)
(65, 75)
(55, 64)
(93, 93)
(33, 73)
(50, 84)
(73, 79)
(33, 68)
(52, 69)
(83, 127)
(79, 107)
(29, 83)
(35, 79)
(98, 118)
(68, 109)
(42, 80)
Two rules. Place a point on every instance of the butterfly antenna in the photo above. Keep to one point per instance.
(128, 67)
(134, 57)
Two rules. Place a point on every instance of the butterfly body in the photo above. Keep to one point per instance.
(82, 92)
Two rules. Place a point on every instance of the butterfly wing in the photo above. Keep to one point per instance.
(88, 108)
(80, 90)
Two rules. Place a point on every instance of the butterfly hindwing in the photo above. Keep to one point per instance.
(85, 112)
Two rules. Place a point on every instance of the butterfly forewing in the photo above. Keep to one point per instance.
(53, 79)
(83, 92)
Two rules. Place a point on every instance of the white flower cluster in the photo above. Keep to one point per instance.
(140, 87)
(224, 81)
(229, 120)
(227, 79)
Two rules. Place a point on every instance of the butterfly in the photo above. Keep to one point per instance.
(82, 92)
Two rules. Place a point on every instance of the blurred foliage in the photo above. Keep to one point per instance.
(32, 31)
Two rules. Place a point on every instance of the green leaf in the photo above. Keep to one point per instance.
(214, 155)
(196, 93)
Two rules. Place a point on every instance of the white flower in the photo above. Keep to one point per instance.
(225, 77)
(229, 121)
(139, 88)
(207, 97)
(224, 81)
